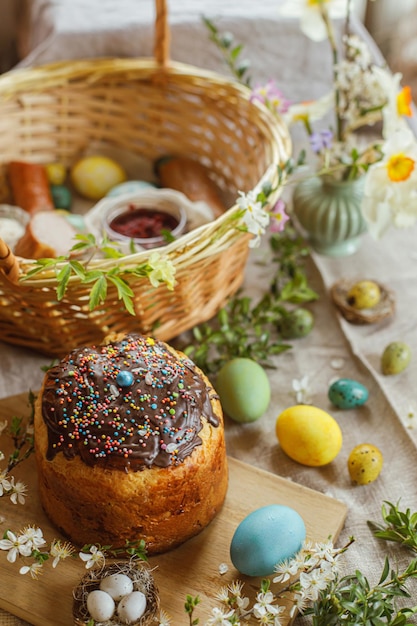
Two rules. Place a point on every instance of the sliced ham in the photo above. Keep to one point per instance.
(48, 235)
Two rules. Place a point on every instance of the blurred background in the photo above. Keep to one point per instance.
(393, 25)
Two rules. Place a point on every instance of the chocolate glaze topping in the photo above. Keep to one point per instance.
(130, 404)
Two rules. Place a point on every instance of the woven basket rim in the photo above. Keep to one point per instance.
(54, 75)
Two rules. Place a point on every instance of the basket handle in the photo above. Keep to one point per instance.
(162, 33)
(8, 262)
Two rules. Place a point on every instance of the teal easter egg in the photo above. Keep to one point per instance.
(266, 537)
(347, 394)
(130, 186)
(244, 390)
(61, 197)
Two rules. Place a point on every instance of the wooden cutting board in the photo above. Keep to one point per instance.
(193, 568)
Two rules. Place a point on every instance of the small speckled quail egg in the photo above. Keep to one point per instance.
(117, 585)
(296, 324)
(243, 389)
(100, 605)
(395, 358)
(365, 463)
(56, 173)
(132, 607)
(308, 435)
(364, 295)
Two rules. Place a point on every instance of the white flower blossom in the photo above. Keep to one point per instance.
(5, 482)
(311, 21)
(255, 218)
(219, 618)
(162, 270)
(309, 111)
(94, 557)
(390, 193)
(264, 606)
(302, 390)
(15, 545)
(34, 537)
(164, 618)
(18, 494)
(312, 583)
(285, 571)
(60, 551)
(34, 570)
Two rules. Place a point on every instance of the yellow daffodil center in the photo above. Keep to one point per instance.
(399, 167)
(404, 100)
(315, 3)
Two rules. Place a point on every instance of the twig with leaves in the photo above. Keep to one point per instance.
(244, 328)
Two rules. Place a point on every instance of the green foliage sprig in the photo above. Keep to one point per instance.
(399, 526)
(245, 328)
(63, 269)
(231, 52)
(21, 432)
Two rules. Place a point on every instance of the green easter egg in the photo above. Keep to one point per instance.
(243, 389)
(61, 197)
(395, 358)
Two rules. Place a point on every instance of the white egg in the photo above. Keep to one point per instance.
(100, 605)
(117, 585)
(132, 607)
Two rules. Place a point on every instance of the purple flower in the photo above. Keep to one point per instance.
(321, 141)
(271, 96)
(279, 217)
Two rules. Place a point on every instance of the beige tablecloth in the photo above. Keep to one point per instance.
(301, 69)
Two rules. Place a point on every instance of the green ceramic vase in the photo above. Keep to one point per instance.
(329, 211)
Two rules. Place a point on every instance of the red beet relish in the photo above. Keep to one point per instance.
(143, 223)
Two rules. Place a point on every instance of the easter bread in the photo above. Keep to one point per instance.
(129, 443)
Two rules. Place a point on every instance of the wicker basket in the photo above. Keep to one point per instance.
(150, 107)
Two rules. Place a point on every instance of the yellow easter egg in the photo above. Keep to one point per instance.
(94, 176)
(308, 435)
(365, 463)
(56, 173)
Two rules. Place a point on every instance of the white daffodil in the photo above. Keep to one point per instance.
(162, 270)
(309, 13)
(398, 103)
(390, 193)
(309, 111)
(254, 216)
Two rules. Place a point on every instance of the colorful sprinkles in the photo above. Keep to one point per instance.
(131, 400)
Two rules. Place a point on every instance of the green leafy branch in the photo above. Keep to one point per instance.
(399, 526)
(245, 328)
(231, 52)
(21, 432)
(352, 600)
(66, 268)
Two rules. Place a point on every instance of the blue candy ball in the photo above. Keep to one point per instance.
(124, 378)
